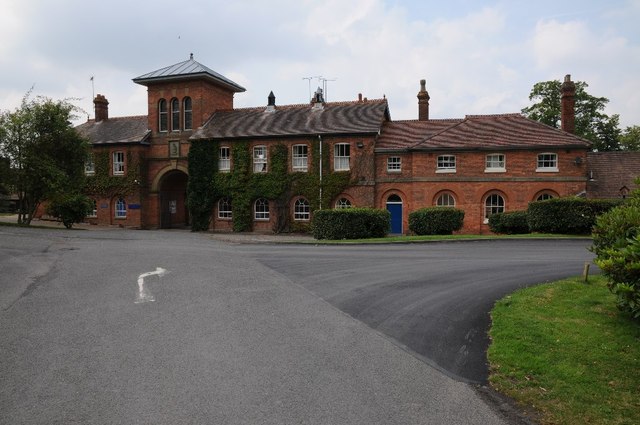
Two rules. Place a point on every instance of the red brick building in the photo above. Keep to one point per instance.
(481, 164)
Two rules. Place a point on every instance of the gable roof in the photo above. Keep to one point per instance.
(335, 118)
(188, 69)
(121, 130)
(609, 172)
(476, 132)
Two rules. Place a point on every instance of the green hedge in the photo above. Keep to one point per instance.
(510, 223)
(575, 216)
(350, 223)
(436, 220)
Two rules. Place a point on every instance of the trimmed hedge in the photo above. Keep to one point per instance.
(436, 220)
(575, 216)
(510, 223)
(350, 223)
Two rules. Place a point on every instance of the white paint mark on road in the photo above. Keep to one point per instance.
(144, 294)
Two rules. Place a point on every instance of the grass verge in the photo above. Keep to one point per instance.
(565, 351)
(411, 239)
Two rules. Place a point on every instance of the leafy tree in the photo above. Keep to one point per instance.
(630, 138)
(46, 153)
(70, 208)
(590, 120)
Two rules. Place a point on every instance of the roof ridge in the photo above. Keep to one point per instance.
(304, 105)
(416, 120)
(508, 114)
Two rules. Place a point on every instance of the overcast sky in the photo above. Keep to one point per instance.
(478, 57)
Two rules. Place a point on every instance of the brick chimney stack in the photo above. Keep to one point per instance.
(567, 105)
(423, 102)
(101, 108)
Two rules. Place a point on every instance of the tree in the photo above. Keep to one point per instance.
(591, 123)
(47, 155)
(630, 139)
(70, 209)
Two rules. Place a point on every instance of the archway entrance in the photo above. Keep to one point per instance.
(173, 200)
(394, 206)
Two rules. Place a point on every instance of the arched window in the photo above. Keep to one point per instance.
(301, 210)
(446, 200)
(94, 209)
(188, 113)
(494, 204)
(175, 114)
(343, 203)
(261, 209)
(162, 115)
(121, 208)
(544, 197)
(224, 208)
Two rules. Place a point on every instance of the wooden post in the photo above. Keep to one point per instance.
(585, 272)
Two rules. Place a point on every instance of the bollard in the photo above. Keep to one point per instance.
(585, 272)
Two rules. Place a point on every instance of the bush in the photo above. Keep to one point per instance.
(436, 221)
(70, 209)
(510, 223)
(575, 216)
(350, 223)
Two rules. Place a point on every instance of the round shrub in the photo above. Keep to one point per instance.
(575, 216)
(70, 209)
(436, 221)
(510, 223)
(350, 223)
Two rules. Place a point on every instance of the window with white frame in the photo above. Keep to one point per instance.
(89, 166)
(394, 164)
(175, 114)
(341, 154)
(494, 204)
(224, 159)
(163, 118)
(261, 209)
(544, 196)
(446, 164)
(300, 158)
(495, 162)
(94, 209)
(547, 162)
(121, 208)
(187, 113)
(343, 203)
(224, 208)
(446, 200)
(260, 159)
(118, 163)
(301, 210)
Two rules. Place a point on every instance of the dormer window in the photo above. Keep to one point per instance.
(188, 113)
(175, 115)
(163, 118)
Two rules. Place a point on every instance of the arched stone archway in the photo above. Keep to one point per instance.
(172, 188)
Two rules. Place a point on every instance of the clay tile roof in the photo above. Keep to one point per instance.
(334, 118)
(479, 132)
(611, 172)
(121, 130)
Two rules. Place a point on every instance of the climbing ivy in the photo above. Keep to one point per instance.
(201, 190)
(105, 185)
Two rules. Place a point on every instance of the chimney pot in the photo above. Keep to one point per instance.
(567, 105)
(101, 108)
(359, 97)
(423, 102)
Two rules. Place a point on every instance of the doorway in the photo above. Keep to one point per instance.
(173, 200)
(394, 206)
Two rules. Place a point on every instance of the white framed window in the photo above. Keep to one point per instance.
(446, 164)
(224, 208)
(118, 163)
(343, 203)
(300, 158)
(495, 163)
(394, 164)
(547, 162)
(494, 204)
(544, 196)
(94, 209)
(175, 114)
(224, 159)
(301, 210)
(121, 208)
(260, 159)
(341, 154)
(261, 209)
(89, 166)
(163, 118)
(187, 109)
(446, 200)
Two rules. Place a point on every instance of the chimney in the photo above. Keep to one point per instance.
(423, 102)
(271, 102)
(318, 100)
(567, 105)
(101, 108)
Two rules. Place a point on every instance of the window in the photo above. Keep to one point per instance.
(343, 203)
(300, 158)
(341, 154)
(547, 162)
(495, 163)
(394, 164)
(301, 210)
(446, 200)
(494, 204)
(544, 197)
(89, 166)
(118, 163)
(224, 208)
(446, 164)
(261, 209)
(121, 208)
(162, 115)
(94, 209)
(224, 159)
(260, 159)
(188, 113)
(175, 114)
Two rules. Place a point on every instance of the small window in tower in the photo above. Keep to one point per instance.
(188, 113)
(175, 115)
(162, 115)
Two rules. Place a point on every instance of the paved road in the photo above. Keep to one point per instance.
(227, 340)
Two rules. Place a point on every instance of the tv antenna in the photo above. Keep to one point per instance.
(324, 86)
(309, 81)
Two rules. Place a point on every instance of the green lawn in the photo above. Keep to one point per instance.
(563, 350)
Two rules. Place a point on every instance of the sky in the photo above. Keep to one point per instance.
(478, 57)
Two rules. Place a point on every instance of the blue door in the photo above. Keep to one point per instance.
(394, 206)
